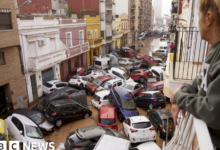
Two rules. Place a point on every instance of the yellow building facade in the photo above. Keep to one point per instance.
(93, 36)
(118, 34)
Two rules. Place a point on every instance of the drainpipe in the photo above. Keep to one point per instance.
(23, 72)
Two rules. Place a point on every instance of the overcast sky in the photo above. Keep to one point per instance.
(166, 7)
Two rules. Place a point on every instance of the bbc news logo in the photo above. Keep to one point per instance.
(15, 145)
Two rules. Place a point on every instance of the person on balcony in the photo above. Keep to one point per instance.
(172, 47)
(201, 98)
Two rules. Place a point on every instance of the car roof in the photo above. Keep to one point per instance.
(90, 132)
(107, 112)
(164, 113)
(152, 92)
(103, 59)
(113, 80)
(25, 120)
(25, 112)
(103, 93)
(53, 81)
(122, 92)
(157, 83)
(63, 102)
(137, 119)
(118, 70)
(131, 83)
(103, 78)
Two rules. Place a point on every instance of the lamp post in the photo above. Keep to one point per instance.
(25, 3)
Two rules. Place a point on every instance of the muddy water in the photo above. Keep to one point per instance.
(59, 136)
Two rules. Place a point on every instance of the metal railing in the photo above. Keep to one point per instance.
(189, 53)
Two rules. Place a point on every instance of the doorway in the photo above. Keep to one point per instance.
(2, 98)
(34, 86)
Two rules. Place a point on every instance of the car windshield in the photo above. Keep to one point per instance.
(107, 121)
(51, 108)
(170, 123)
(129, 104)
(126, 76)
(75, 77)
(33, 132)
(158, 94)
(38, 118)
(96, 97)
(105, 85)
(129, 87)
(103, 72)
(48, 85)
(97, 82)
(141, 125)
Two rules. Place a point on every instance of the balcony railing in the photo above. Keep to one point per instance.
(133, 7)
(95, 42)
(132, 28)
(189, 53)
(109, 21)
(108, 37)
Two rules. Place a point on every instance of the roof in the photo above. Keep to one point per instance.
(103, 93)
(137, 119)
(53, 81)
(131, 83)
(25, 120)
(123, 93)
(151, 92)
(63, 102)
(118, 70)
(107, 112)
(164, 113)
(158, 83)
(104, 78)
(113, 80)
(90, 132)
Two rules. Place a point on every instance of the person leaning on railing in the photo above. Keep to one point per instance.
(201, 98)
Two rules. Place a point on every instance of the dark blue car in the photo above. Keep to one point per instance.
(151, 99)
(123, 102)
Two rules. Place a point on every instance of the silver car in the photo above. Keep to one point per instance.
(160, 52)
(133, 88)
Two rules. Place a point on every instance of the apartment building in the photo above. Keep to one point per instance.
(12, 83)
(106, 10)
(118, 34)
(125, 27)
(134, 18)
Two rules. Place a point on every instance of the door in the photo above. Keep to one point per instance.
(127, 125)
(77, 111)
(34, 86)
(2, 98)
(67, 113)
(140, 99)
(47, 75)
(146, 100)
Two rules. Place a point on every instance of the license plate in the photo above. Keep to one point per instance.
(143, 139)
(161, 100)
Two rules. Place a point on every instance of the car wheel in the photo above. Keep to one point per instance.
(141, 79)
(58, 122)
(86, 115)
(120, 117)
(150, 106)
(81, 86)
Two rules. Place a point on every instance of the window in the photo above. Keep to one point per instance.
(68, 39)
(18, 124)
(61, 85)
(153, 89)
(67, 108)
(2, 59)
(5, 19)
(106, 97)
(96, 34)
(91, 35)
(81, 37)
(53, 44)
(128, 122)
(160, 87)
(119, 83)
(76, 107)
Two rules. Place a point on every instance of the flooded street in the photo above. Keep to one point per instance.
(59, 136)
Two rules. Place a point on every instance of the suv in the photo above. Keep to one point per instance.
(118, 73)
(107, 117)
(65, 110)
(159, 120)
(123, 102)
(92, 86)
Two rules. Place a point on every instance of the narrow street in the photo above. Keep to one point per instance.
(59, 136)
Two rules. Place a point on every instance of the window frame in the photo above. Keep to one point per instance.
(96, 34)
(3, 54)
(71, 42)
(82, 37)
(7, 12)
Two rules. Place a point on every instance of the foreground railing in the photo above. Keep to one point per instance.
(190, 134)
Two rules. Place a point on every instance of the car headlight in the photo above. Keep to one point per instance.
(49, 129)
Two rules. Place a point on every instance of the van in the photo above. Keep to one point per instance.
(102, 63)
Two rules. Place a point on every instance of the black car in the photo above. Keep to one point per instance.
(65, 93)
(86, 138)
(37, 117)
(159, 119)
(65, 110)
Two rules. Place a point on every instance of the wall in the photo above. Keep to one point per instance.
(77, 5)
(36, 6)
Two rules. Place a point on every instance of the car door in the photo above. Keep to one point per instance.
(106, 101)
(137, 88)
(140, 99)
(146, 99)
(127, 125)
(118, 103)
(77, 111)
(61, 85)
(66, 112)
(17, 126)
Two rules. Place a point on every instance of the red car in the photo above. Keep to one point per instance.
(92, 86)
(141, 75)
(129, 53)
(157, 86)
(77, 72)
(149, 60)
(107, 117)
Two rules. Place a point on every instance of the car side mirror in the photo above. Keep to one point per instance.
(21, 132)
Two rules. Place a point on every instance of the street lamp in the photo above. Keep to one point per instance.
(25, 3)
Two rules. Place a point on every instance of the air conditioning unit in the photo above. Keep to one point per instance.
(41, 43)
(89, 32)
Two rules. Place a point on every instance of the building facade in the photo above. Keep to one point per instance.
(93, 36)
(119, 34)
(125, 27)
(134, 18)
(12, 83)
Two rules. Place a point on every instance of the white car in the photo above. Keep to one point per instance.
(160, 61)
(120, 74)
(101, 99)
(98, 57)
(52, 85)
(139, 129)
(23, 129)
(79, 81)
(92, 74)
(147, 146)
(111, 83)
(158, 71)
(125, 61)
(133, 88)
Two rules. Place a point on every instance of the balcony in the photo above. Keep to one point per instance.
(132, 28)
(108, 38)
(132, 17)
(119, 34)
(133, 7)
(109, 22)
(109, 4)
(95, 43)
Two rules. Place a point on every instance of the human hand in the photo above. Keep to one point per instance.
(173, 93)
(175, 112)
